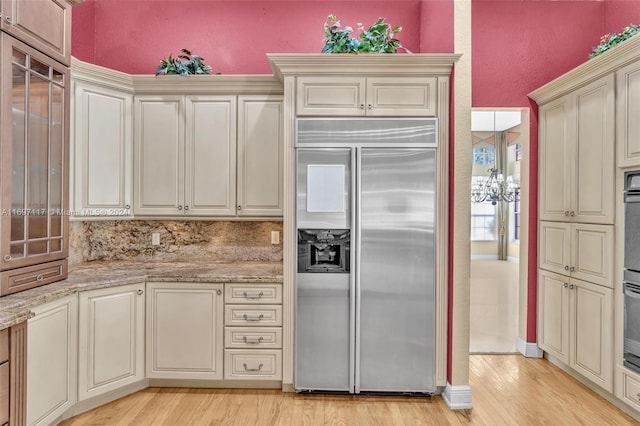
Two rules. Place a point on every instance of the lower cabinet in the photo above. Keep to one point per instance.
(184, 331)
(576, 325)
(51, 360)
(111, 339)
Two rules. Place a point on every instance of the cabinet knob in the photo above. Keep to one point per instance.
(186, 208)
(638, 395)
(571, 286)
(361, 106)
(219, 292)
(566, 213)
(566, 285)
(40, 277)
(572, 213)
(7, 257)
(8, 19)
(572, 269)
(239, 207)
(127, 207)
(180, 207)
(369, 106)
(140, 291)
(566, 267)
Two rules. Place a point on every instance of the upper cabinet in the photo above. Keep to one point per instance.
(577, 164)
(366, 96)
(34, 143)
(628, 115)
(43, 24)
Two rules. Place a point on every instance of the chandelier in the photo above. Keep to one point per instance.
(495, 188)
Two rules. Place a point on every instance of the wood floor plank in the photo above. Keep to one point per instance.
(507, 390)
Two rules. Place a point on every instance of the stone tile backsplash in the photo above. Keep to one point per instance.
(185, 241)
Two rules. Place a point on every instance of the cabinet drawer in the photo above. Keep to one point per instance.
(253, 315)
(253, 337)
(4, 393)
(4, 345)
(631, 390)
(32, 276)
(254, 365)
(245, 294)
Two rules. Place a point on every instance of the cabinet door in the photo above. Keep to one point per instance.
(414, 97)
(210, 172)
(35, 153)
(628, 115)
(260, 154)
(553, 314)
(556, 160)
(159, 155)
(51, 360)
(111, 339)
(555, 247)
(592, 325)
(594, 194)
(592, 253)
(184, 331)
(43, 24)
(330, 96)
(102, 146)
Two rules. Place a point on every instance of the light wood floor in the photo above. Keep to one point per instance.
(507, 390)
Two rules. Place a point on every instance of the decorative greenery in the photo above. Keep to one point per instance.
(184, 64)
(379, 38)
(607, 41)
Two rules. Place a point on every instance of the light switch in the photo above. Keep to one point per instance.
(275, 237)
(155, 239)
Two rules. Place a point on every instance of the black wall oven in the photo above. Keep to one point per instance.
(632, 270)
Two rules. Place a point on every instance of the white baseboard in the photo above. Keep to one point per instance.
(457, 397)
(513, 259)
(530, 350)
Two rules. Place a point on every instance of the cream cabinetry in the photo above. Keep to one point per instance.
(576, 157)
(43, 24)
(111, 339)
(628, 114)
(574, 325)
(102, 148)
(253, 331)
(185, 155)
(579, 250)
(188, 166)
(370, 96)
(52, 339)
(184, 338)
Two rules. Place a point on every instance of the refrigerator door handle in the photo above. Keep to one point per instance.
(358, 217)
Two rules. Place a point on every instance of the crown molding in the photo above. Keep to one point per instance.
(378, 64)
(236, 84)
(603, 64)
(100, 76)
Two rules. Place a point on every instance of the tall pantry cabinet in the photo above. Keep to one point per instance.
(34, 122)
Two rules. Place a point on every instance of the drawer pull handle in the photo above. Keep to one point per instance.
(40, 277)
(252, 369)
(253, 342)
(258, 297)
(248, 318)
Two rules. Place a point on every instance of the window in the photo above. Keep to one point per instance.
(484, 155)
(483, 222)
(514, 220)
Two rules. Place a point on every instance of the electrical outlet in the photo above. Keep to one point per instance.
(275, 237)
(155, 239)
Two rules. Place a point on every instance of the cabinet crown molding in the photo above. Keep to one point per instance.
(147, 84)
(603, 64)
(361, 65)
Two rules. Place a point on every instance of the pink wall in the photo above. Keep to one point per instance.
(537, 41)
(233, 36)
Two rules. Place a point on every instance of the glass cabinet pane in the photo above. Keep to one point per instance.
(18, 151)
(56, 160)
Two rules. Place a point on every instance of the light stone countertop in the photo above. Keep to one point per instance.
(16, 308)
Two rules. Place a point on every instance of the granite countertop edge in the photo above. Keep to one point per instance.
(18, 307)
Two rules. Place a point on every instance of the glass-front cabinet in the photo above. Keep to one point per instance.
(34, 111)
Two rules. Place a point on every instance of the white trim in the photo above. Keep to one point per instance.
(513, 259)
(457, 397)
(529, 350)
(484, 257)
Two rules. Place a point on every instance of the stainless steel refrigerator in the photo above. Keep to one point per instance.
(365, 281)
